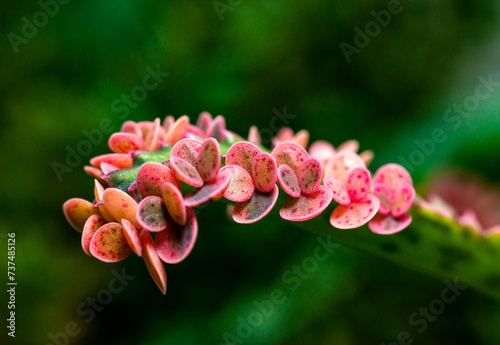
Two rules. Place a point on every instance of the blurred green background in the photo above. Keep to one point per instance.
(255, 57)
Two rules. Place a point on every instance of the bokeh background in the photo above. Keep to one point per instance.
(255, 57)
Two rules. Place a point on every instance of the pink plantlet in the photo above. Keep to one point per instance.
(322, 151)
(120, 160)
(91, 226)
(95, 173)
(125, 142)
(310, 175)
(174, 202)
(349, 145)
(209, 192)
(132, 236)
(291, 154)
(152, 214)
(152, 139)
(241, 186)
(339, 190)
(341, 164)
(109, 243)
(254, 136)
(204, 121)
(388, 225)
(209, 160)
(194, 132)
(132, 128)
(393, 186)
(176, 242)
(288, 181)
(152, 176)
(176, 130)
(367, 156)
(355, 214)
(77, 211)
(98, 195)
(121, 205)
(255, 208)
(153, 261)
(306, 206)
(301, 138)
(242, 154)
(185, 172)
(217, 128)
(284, 134)
(145, 127)
(358, 183)
(264, 172)
(187, 149)
(106, 168)
(168, 121)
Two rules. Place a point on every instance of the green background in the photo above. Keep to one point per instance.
(262, 55)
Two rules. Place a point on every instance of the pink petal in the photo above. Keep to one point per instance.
(306, 206)
(152, 176)
(107, 168)
(358, 183)
(132, 236)
(403, 201)
(310, 175)
(255, 208)
(152, 140)
(204, 121)
(355, 214)
(393, 176)
(241, 186)
(174, 203)
(176, 242)
(322, 151)
(121, 205)
(109, 244)
(168, 121)
(288, 181)
(125, 142)
(264, 172)
(185, 172)
(384, 196)
(153, 261)
(92, 224)
(242, 154)
(152, 214)
(176, 131)
(387, 225)
(339, 190)
(341, 164)
(217, 128)
(301, 138)
(98, 194)
(254, 136)
(209, 159)
(350, 145)
(367, 156)
(187, 149)
(291, 154)
(77, 211)
(209, 192)
(120, 160)
(132, 128)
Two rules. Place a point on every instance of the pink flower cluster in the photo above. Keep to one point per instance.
(146, 190)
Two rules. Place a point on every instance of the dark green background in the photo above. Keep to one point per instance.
(263, 55)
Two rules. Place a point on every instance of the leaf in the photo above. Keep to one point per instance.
(403, 201)
(132, 128)
(153, 261)
(355, 214)
(185, 172)
(255, 208)
(152, 215)
(388, 225)
(176, 242)
(264, 172)
(242, 154)
(291, 154)
(341, 164)
(187, 149)
(288, 181)
(204, 121)
(151, 141)
(77, 211)
(174, 203)
(125, 142)
(358, 183)
(152, 176)
(241, 185)
(176, 131)
(209, 192)
(132, 236)
(306, 206)
(310, 175)
(121, 205)
(209, 159)
(109, 244)
(92, 224)
(217, 128)
(339, 190)
(393, 176)
(119, 160)
(322, 151)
